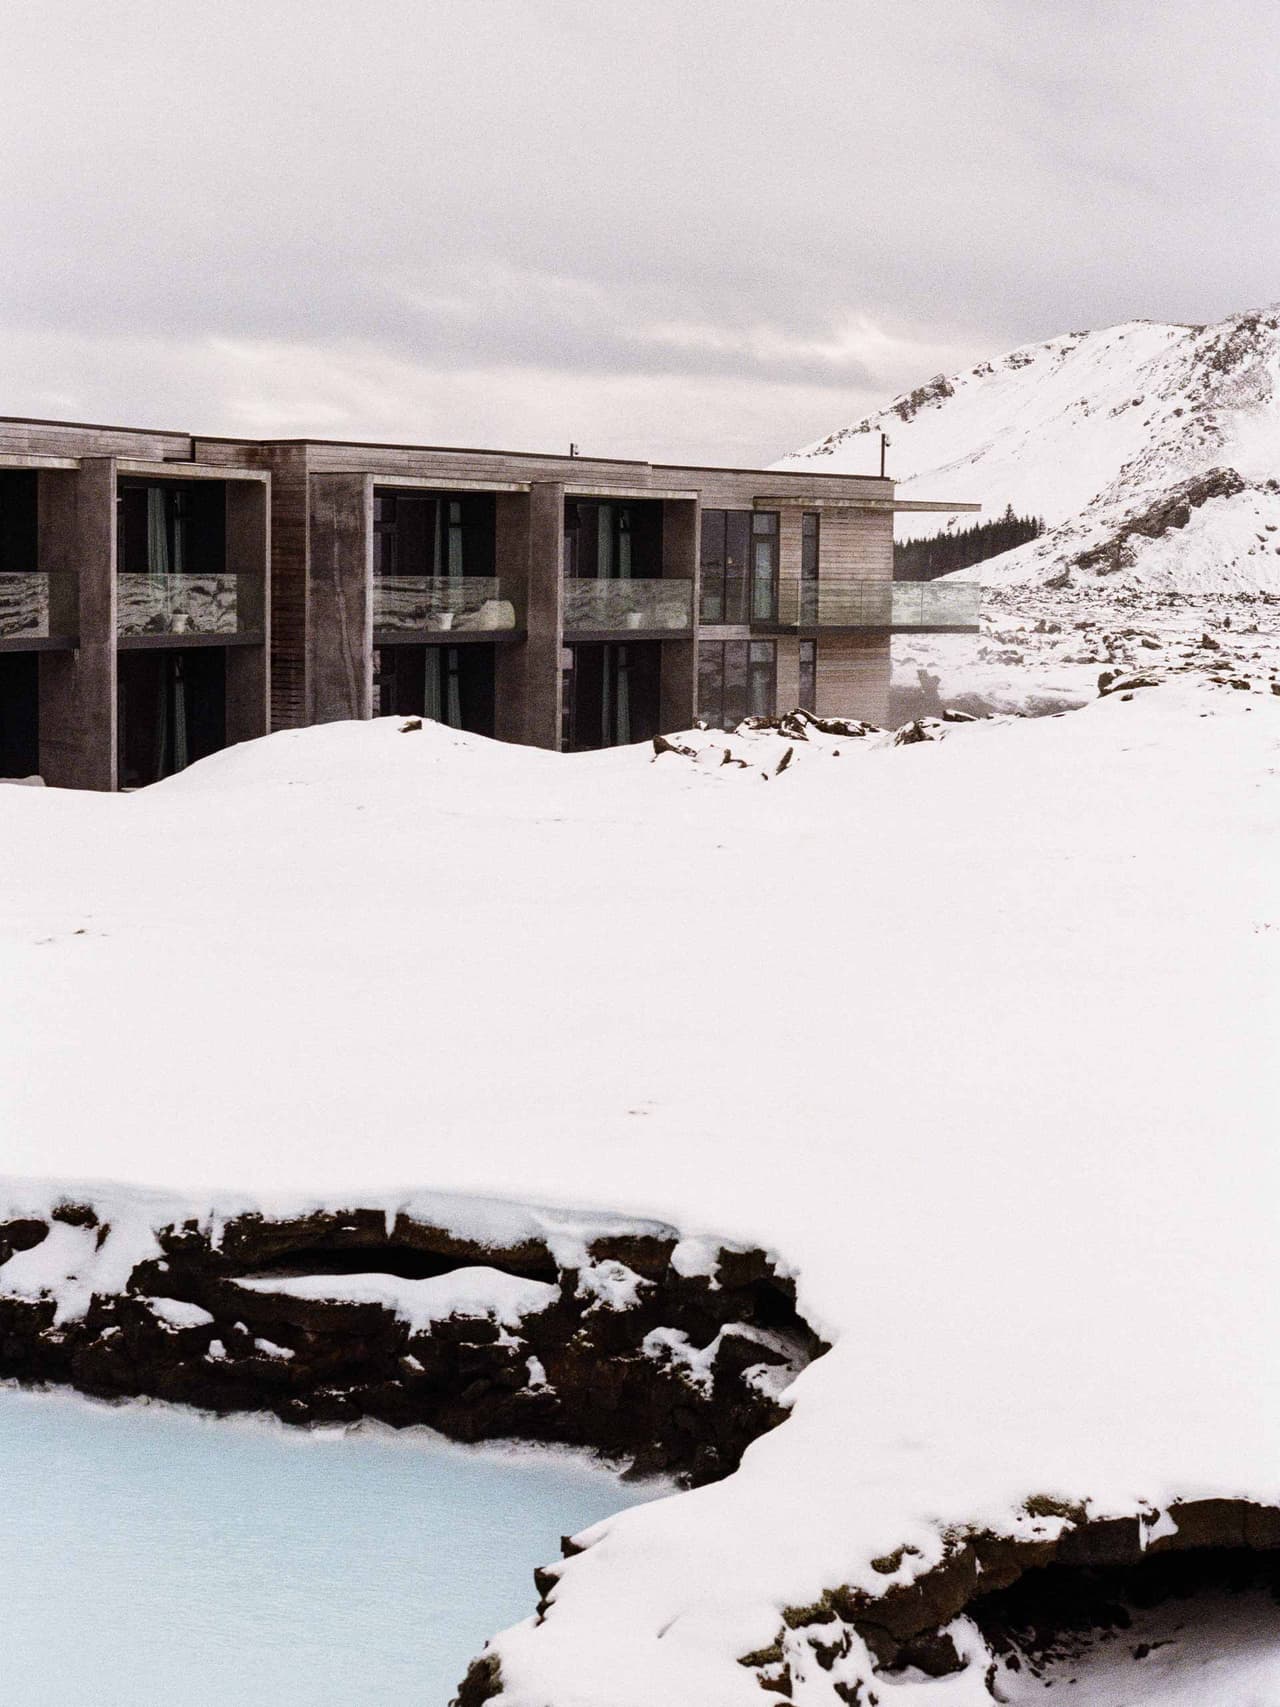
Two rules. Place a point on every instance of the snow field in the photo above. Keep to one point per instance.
(976, 1034)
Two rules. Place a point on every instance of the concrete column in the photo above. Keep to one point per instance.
(249, 558)
(530, 530)
(78, 713)
(340, 597)
(681, 545)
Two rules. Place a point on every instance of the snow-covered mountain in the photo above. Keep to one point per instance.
(1152, 452)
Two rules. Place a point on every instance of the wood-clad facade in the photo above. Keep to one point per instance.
(163, 594)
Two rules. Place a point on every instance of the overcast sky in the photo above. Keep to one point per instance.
(687, 229)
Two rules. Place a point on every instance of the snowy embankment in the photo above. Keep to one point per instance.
(975, 1035)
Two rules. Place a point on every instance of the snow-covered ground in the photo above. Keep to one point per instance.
(977, 1033)
(1042, 650)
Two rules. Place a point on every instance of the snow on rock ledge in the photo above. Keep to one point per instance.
(337, 1315)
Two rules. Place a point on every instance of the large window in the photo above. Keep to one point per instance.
(739, 566)
(736, 679)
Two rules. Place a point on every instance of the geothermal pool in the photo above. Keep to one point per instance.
(152, 1554)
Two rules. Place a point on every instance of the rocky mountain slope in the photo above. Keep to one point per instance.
(1152, 451)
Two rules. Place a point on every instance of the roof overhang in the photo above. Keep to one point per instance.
(787, 500)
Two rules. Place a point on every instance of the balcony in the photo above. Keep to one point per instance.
(906, 605)
(38, 610)
(413, 606)
(157, 608)
(622, 606)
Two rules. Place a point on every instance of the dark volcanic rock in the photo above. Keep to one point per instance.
(575, 1370)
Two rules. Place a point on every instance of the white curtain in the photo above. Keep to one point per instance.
(158, 585)
(157, 533)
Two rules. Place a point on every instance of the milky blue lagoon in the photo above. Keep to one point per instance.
(152, 1556)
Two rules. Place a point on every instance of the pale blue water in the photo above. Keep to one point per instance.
(153, 1557)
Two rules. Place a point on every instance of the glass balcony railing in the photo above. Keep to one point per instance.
(879, 604)
(38, 606)
(936, 604)
(439, 604)
(606, 607)
(177, 604)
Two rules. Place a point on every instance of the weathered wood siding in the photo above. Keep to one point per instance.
(788, 677)
(853, 677)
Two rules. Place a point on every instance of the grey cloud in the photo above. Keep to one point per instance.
(661, 192)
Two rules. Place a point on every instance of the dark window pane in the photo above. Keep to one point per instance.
(711, 607)
(737, 543)
(18, 531)
(711, 682)
(764, 521)
(415, 537)
(735, 682)
(712, 553)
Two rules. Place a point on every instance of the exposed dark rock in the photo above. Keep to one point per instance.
(318, 1360)
(936, 391)
(482, 1683)
(1172, 510)
(1111, 681)
(75, 1214)
(923, 729)
(23, 1234)
(661, 745)
(1037, 1586)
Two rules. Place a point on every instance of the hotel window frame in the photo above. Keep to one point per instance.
(730, 584)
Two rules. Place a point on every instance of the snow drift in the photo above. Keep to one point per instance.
(974, 1033)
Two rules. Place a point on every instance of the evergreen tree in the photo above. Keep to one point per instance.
(940, 553)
